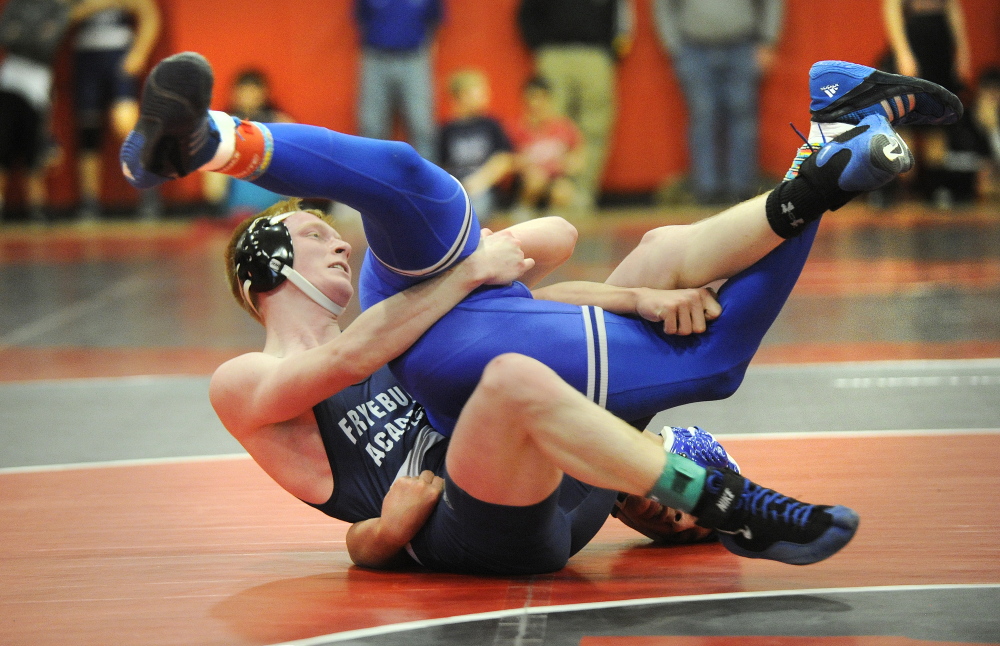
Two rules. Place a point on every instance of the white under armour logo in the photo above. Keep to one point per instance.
(831, 89)
(787, 208)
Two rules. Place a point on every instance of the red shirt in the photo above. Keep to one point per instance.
(547, 144)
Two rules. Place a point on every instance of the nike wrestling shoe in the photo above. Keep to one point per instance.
(697, 445)
(847, 93)
(759, 523)
(862, 158)
(175, 134)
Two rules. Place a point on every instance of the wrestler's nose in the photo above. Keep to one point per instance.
(342, 246)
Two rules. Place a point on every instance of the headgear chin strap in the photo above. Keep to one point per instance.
(264, 260)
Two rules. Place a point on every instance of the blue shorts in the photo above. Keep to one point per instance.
(468, 536)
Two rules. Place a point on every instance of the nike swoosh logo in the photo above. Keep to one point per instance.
(743, 531)
(892, 151)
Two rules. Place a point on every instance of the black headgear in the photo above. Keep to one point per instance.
(263, 249)
(263, 261)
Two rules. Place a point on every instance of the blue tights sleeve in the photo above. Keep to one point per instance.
(417, 217)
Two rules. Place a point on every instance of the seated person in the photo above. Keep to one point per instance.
(473, 146)
(550, 153)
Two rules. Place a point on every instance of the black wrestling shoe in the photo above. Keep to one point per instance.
(848, 92)
(175, 135)
(760, 523)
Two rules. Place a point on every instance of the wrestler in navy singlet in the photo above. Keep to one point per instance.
(419, 222)
(374, 433)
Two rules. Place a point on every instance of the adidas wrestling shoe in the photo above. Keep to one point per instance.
(759, 523)
(848, 92)
(697, 445)
(174, 135)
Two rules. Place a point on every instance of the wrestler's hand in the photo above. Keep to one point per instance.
(499, 258)
(660, 523)
(409, 503)
(683, 311)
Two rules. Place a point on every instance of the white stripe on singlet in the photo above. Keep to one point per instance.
(597, 355)
(452, 255)
(412, 466)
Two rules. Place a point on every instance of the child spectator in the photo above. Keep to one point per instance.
(473, 146)
(550, 153)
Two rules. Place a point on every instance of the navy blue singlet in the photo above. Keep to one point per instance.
(373, 433)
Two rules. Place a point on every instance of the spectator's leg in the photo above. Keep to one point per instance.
(741, 89)
(417, 94)
(596, 80)
(695, 69)
(374, 97)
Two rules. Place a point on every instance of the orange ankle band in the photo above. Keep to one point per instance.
(254, 148)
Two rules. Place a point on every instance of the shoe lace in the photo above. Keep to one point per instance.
(804, 138)
(769, 504)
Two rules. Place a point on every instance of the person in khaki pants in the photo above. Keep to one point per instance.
(576, 44)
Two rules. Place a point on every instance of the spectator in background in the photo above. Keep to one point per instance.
(473, 146)
(111, 50)
(31, 32)
(720, 50)
(250, 100)
(576, 44)
(928, 38)
(550, 153)
(396, 38)
(25, 134)
(986, 113)
(973, 157)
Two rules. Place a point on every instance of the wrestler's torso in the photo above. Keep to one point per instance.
(373, 432)
(342, 455)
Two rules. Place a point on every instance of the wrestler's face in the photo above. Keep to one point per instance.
(321, 256)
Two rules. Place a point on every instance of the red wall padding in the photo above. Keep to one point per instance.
(309, 48)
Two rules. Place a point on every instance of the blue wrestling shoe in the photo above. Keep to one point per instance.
(848, 92)
(861, 159)
(175, 135)
(760, 523)
(697, 445)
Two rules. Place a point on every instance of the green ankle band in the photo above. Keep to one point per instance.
(680, 485)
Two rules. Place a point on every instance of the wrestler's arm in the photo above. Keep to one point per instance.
(549, 241)
(380, 542)
(683, 311)
(255, 389)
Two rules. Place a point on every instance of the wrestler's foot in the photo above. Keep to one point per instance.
(175, 135)
(848, 92)
(698, 445)
(760, 523)
(862, 159)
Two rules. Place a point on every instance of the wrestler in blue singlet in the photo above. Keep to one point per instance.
(419, 222)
